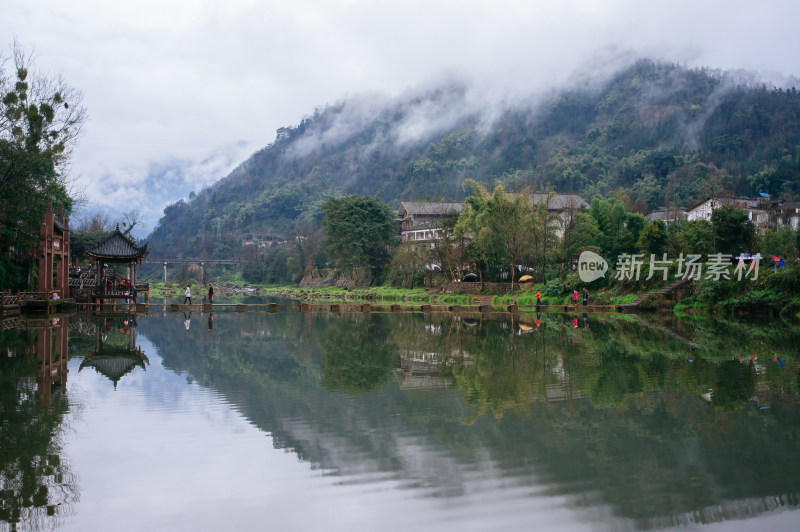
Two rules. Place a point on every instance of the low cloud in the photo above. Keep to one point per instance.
(168, 86)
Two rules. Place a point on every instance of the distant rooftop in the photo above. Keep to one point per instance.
(429, 207)
(668, 215)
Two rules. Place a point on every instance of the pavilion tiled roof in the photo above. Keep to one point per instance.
(118, 248)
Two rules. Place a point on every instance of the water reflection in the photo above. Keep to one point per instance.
(115, 352)
(37, 487)
(622, 421)
(658, 420)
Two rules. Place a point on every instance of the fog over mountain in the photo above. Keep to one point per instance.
(663, 134)
(179, 94)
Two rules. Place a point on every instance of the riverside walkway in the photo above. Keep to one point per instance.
(318, 307)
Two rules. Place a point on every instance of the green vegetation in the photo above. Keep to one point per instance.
(662, 135)
(32, 471)
(40, 120)
(360, 232)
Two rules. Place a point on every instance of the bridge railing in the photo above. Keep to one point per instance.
(151, 260)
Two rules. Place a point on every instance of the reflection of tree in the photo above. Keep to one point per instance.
(735, 385)
(506, 371)
(616, 377)
(655, 453)
(36, 486)
(358, 358)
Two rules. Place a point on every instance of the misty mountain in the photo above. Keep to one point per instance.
(665, 135)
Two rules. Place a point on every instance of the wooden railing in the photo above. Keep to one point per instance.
(8, 299)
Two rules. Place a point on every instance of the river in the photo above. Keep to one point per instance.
(382, 421)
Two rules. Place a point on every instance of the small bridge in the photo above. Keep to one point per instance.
(200, 262)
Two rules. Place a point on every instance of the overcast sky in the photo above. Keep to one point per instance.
(179, 92)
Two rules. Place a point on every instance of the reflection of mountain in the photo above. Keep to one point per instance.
(607, 414)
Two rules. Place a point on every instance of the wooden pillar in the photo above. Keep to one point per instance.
(65, 249)
(46, 252)
(44, 366)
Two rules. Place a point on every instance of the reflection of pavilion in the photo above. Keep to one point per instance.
(51, 367)
(114, 361)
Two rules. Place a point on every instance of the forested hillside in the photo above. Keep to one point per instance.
(665, 135)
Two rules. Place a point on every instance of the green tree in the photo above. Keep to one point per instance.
(733, 231)
(778, 243)
(448, 250)
(544, 225)
(469, 225)
(653, 238)
(501, 225)
(694, 237)
(407, 263)
(580, 236)
(360, 232)
(40, 120)
(506, 228)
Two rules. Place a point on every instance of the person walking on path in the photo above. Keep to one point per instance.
(188, 295)
(585, 297)
(575, 297)
(210, 294)
(538, 300)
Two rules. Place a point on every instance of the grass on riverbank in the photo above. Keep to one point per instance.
(774, 292)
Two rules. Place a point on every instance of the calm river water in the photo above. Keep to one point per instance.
(384, 421)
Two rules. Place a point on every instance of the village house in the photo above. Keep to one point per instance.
(763, 212)
(565, 206)
(420, 221)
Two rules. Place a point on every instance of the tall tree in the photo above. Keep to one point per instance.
(40, 120)
(448, 249)
(733, 231)
(501, 225)
(507, 223)
(360, 232)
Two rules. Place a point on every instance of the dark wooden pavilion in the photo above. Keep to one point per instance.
(117, 249)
